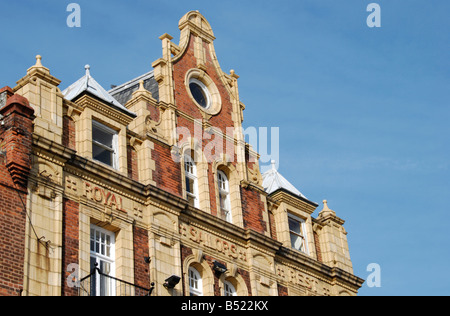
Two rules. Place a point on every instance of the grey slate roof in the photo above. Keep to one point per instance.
(87, 84)
(274, 181)
(124, 92)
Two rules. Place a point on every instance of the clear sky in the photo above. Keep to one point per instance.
(363, 112)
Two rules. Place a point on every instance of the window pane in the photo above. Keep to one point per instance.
(296, 242)
(229, 289)
(194, 282)
(190, 185)
(294, 226)
(222, 181)
(224, 202)
(189, 166)
(191, 200)
(108, 246)
(198, 94)
(102, 154)
(102, 136)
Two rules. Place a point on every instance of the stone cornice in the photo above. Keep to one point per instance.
(319, 269)
(282, 195)
(100, 107)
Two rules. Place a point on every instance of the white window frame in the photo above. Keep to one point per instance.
(192, 175)
(229, 289)
(101, 256)
(205, 91)
(224, 195)
(195, 282)
(115, 143)
(302, 235)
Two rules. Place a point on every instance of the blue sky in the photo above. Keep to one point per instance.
(363, 112)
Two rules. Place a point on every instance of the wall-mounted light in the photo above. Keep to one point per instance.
(147, 260)
(219, 267)
(171, 281)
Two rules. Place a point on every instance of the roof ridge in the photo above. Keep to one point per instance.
(273, 181)
(88, 84)
(132, 81)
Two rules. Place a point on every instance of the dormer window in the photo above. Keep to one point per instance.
(104, 144)
(297, 233)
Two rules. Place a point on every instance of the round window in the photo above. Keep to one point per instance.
(200, 93)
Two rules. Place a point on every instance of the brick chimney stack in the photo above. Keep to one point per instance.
(16, 128)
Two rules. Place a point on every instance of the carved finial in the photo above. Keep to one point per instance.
(38, 66)
(88, 70)
(274, 165)
(38, 61)
(141, 91)
(233, 74)
(141, 85)
(326, 209)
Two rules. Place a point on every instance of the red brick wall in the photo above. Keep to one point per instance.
(141, 250)
(185, 252)
(210, 261)
(252, 210)
(273, 229)
(168, 173)
(16, 138)
(182, 98)
(12, 234)
(246, 276)
(71, 245)
(317, 245)
(15, 165)
(282, 290)
(154, 112)
(68, 138)
(132, 163)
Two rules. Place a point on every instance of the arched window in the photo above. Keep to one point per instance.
(190, 171)
(224, 196)
(195, 282)
(229, 289)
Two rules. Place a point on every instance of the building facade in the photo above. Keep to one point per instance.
(150, 188)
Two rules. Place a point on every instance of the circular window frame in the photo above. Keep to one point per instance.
(214, 100)
(205, 92)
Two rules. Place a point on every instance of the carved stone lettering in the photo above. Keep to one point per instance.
(102, 196)
(212, 242)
